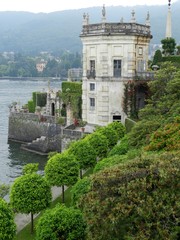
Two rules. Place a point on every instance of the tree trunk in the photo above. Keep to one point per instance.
(80, 173)
(32, 223)
(62, 193)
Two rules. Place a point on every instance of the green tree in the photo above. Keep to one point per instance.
(82, 187)
(30, 168)
(119, 128)
(168, 46)
(99, 142)
(7, 225)
(109, 162)
(121, 148)
(84, 153)
(157, 59)
(110, 134)
(30, 193)
(61, 223)
(138, 199)
(166, 138)
(62, 169)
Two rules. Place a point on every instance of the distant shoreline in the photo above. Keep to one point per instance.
(32, 78)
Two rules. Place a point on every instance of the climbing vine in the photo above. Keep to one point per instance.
(72, 94)
(131, 96)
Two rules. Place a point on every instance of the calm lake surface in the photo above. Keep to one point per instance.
(12, 158)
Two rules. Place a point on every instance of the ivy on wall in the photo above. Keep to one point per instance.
(130, 102)
(72, 94)
(38, 99)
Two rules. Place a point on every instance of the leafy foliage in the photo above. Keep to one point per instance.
(62, 169)
(99, 143)
(31, 106)
(72, 93)
(166, 138)
(157, 57)
(7, 225)
(168, 46)
(163, 105)
(30, 168)
(39, 98)
(124, 201)
(141, 132)
(61, 223)
(30, 193)
(119, 128)
(109, 162)
(79, 189)
(84, 153)
(121, 148)
(110, 134)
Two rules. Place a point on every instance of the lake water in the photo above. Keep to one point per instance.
(12, 158)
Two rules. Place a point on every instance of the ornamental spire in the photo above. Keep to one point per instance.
(103, 14)
(168, 24)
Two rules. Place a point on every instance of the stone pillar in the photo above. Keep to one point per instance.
(69, 115)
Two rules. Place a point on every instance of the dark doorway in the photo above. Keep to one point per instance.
(117, 118)
(53, 109)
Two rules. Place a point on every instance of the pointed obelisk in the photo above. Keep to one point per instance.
(168, 24)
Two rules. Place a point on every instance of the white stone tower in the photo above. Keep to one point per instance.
(168, 23)
(113, 54)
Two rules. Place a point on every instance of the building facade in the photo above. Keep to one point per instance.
(113, 54)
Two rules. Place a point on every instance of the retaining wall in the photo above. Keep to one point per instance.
(39, 133)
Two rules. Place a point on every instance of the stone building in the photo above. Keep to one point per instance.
(113, 54)
(53, 102)
(40, 66)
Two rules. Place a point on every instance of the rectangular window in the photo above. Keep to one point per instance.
(141, 65)
(92, 86)
(117, 68)
(91, 73)
(140, 51)
(92, 103)
(92, 65)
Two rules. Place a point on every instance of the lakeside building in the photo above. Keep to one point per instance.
(40, 66)
(113, 54)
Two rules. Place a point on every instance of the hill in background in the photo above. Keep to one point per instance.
(58, 31)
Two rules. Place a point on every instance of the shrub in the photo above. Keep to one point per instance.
(166, 138)
(7, 225)
(141, 132)
(121, 148)
(99, 142)
(135, 200)
(79, 189)
(109, 162)
(61, 223)
(31, 106)
(119, 128)
(110, 134)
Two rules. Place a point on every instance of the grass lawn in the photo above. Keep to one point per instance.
(25, 234)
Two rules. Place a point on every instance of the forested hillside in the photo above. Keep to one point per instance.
(31, 33)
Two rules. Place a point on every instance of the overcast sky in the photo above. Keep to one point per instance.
(58, 5)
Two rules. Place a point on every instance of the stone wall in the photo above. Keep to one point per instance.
(39, 132)
(68, 136)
